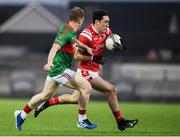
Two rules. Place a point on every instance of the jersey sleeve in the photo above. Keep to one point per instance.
(85, 37)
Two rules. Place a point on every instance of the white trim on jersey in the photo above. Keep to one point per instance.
(86, 35)
(88, 32)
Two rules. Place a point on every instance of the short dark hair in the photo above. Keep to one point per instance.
(76, 13)
(98, 15)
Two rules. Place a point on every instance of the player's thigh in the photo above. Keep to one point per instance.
(101, 85)
(79, 82)
(69, 85)
(76, 93)
(50, 87)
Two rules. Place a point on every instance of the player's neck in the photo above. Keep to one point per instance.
(95, 28)
(73, 25)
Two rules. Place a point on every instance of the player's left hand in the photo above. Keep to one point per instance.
(100, 60)
(83, 47)
(47, 67)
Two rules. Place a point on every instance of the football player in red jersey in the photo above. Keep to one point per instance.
(94, 36)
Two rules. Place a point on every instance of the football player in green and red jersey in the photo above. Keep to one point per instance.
(59, 72)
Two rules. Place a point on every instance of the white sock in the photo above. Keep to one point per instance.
(82, 117)
(23, 114)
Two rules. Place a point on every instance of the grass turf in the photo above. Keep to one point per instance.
(154, 119)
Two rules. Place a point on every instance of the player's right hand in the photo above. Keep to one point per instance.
(118, 46)
(47, 67)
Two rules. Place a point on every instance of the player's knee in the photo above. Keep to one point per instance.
(113, 90)
(84, 85)
(88, 89)
(86, 92)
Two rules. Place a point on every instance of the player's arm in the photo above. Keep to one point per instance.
(51, 55)
(59, 42)
(78, 55)
(84, 40)
(82, 46)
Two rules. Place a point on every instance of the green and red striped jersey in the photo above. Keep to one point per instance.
(66, 39)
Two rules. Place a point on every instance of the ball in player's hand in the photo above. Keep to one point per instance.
(113, 42)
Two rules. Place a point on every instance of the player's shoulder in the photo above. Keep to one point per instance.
(88, 29)
(87, 32)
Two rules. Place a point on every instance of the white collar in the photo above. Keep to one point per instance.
(94, 29)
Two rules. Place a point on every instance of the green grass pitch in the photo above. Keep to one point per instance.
(154, 119)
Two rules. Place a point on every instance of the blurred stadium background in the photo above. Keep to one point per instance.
(148, 71)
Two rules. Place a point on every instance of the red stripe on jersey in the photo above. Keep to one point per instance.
(68, 48)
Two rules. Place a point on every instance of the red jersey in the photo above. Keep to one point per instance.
(90, 37)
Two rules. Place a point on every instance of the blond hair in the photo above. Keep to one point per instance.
(76, 13)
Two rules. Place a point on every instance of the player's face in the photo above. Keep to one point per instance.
(104, 24)
(80, 22)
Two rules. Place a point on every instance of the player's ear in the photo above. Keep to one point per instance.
(96, 21)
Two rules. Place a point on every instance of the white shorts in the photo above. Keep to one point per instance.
(88, 74)
(63, 78)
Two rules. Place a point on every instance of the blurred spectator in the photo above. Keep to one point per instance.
(165, 54)
(152, 55)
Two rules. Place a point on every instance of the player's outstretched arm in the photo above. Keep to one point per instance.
(83, 46)
(51, 55)
(79, 54)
